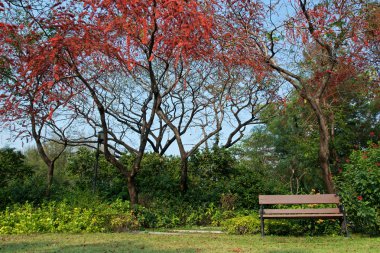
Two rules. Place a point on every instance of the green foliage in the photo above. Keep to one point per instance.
(158, 178)
(62, 217)
(174, 214)
(22, 190)
(209, 170)
(285, 149)
(242, 225)
(357, 118)
(80, 166)
(19, 181)
(359, 187)
(246, 185)
(116, 216)
(251, 225)
(12, 166)
(302, 227)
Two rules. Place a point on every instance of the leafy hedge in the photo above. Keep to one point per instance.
(61, 217)
(119, 216)
(359, 187)
(116, 216)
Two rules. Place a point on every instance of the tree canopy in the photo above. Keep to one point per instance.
(153, 74)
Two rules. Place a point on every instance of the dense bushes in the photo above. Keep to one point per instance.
(62, 217)
(359, 187)
(116, 216)
(18, 180)
(119, 216)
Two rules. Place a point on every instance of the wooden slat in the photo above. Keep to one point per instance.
(299, 199)
(303, 211)
(300, 215)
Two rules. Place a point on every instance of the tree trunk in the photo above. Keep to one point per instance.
(324, 155)
(324, 152)
(49, 179)
(184, 168)
(132, 190)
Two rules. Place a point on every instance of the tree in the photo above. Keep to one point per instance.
(216, 98)
(99, 48)
(327, 37)
(30, 87)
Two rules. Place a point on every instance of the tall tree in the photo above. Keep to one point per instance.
(117, 55)
(31, 88)
(330, 36)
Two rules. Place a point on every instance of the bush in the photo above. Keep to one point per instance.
(359, 188)
(242, 225)
(61, 217)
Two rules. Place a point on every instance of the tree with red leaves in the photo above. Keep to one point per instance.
(316, 46)
(33, 91)
(109, 60)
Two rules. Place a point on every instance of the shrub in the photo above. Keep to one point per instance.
(359, 188)
(242, 225)
(62, 217)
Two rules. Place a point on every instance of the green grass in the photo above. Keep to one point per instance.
(143, 242)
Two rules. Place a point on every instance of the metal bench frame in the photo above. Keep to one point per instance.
(317, 213)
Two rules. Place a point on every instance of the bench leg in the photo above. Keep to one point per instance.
(262, 221)
(312, 227)
(343, 221)
(344, 226)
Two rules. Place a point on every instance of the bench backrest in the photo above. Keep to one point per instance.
(299, 199)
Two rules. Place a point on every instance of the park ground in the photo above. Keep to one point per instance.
(183, 242)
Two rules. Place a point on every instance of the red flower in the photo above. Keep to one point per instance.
(360, 198)
(372, 134)
(378, 164)
(340, 170)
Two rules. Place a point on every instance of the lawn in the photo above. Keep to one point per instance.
(156, 243)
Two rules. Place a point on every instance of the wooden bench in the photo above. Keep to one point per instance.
(318, 213)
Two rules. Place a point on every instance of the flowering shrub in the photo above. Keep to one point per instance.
(359, 188)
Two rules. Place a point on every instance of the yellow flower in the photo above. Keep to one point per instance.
(319, 221)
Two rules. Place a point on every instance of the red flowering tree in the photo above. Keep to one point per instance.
(104, 63)
(319, 47)
(157, 55)
(32, 89)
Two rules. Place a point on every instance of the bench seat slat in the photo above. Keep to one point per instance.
(298, 199)
(304, 211)
(302, 215)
